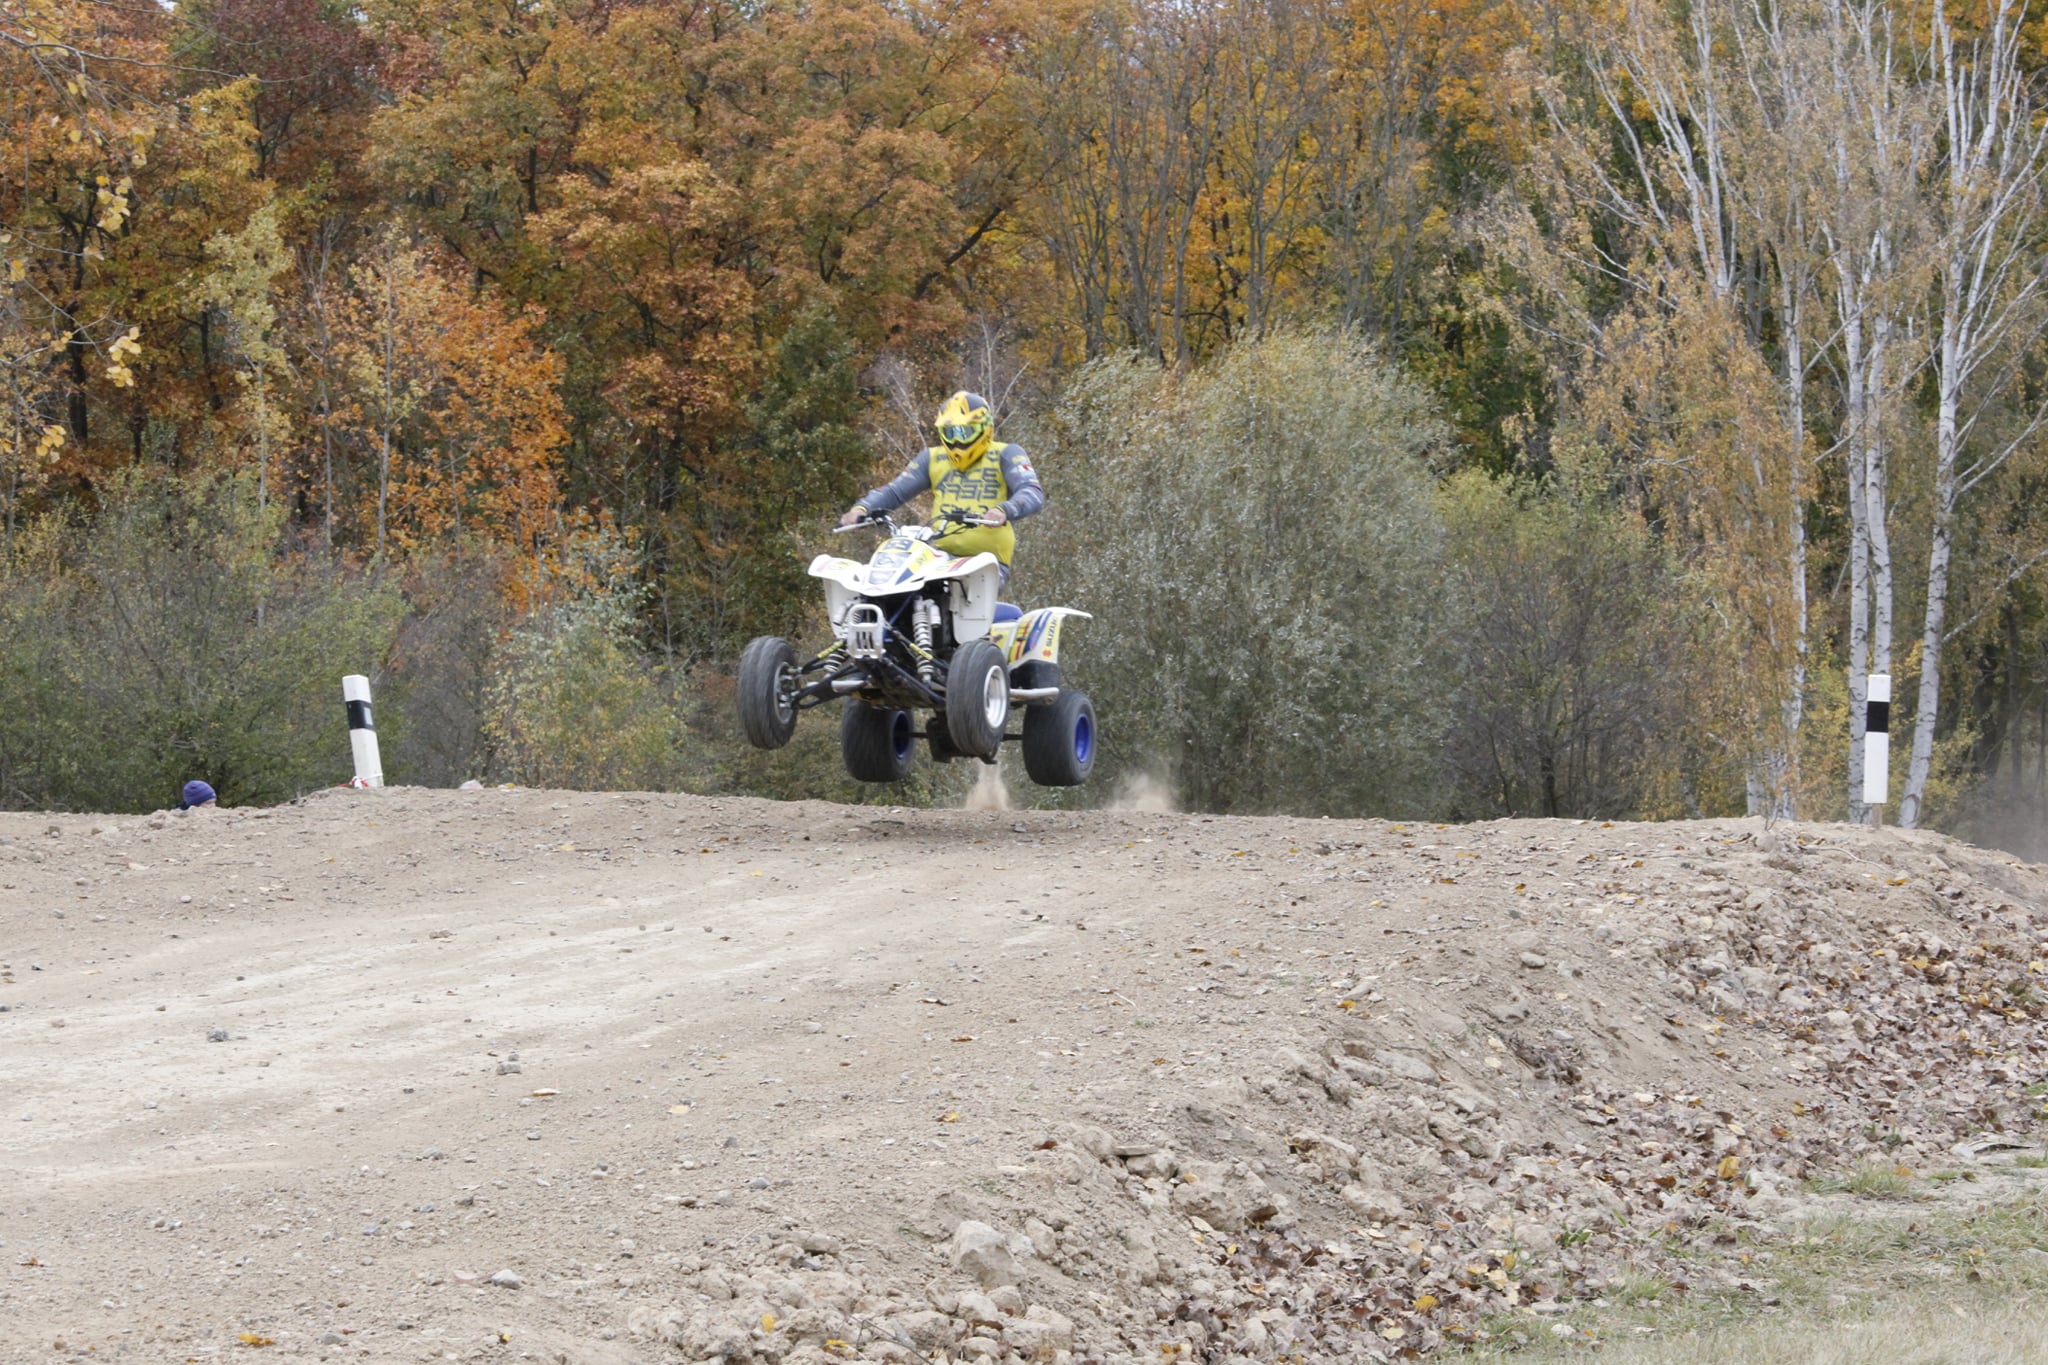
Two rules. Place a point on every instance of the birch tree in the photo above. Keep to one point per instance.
(1986, 199)
(1879, 150)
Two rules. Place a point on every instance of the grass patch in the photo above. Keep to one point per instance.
(1870, 1180)
(1638, 1287)
(2031, 1162)
(1939, 1284)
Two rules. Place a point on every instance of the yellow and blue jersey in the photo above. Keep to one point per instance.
(1002, 478)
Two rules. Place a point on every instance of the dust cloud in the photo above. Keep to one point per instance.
(1145, 794)
(988, 791)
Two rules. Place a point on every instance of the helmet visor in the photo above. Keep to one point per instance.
(960, 433)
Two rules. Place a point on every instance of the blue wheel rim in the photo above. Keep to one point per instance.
(900, 737)
(1084, 738)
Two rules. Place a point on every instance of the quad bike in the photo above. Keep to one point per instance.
(919, 630)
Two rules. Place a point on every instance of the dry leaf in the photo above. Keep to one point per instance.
(251, 1339)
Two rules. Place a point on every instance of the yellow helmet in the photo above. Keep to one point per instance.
(965, 430)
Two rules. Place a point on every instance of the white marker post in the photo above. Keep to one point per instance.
(1877, 740)
(362, 732)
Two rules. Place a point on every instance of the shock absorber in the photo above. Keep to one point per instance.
(923, 617)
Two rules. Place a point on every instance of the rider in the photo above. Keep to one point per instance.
(970, 473)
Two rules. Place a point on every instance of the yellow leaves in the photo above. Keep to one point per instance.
(1730, 1167)
(950, 1116)
(252, 1339)
(767, 1322)
(17, 270)
(1426, 1302)
(49, 443)
(124, 349)
(113, 203)
(1897, 881)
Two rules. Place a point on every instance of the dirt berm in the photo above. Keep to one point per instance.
(518, 1075)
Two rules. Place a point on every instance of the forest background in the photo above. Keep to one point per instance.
(1448, 410)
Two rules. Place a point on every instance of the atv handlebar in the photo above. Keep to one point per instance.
(888, 524)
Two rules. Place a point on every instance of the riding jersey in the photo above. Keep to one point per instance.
(1002, 478)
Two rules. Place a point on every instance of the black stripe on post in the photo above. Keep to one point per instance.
(1877, 717)
(359, 716)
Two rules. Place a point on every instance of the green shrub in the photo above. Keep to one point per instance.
(171, 634)
(1259, 544)
(575, 703)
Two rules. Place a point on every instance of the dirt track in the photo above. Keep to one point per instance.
(722, 1079)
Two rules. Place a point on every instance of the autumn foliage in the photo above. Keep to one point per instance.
(458, 291)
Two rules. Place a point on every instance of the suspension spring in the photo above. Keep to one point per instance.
(921, 631)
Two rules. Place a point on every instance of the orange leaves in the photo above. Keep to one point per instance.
(450, 407)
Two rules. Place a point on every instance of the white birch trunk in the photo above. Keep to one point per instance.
(1855, 406)
(1792, 705)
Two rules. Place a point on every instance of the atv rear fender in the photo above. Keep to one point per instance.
(1035, 635)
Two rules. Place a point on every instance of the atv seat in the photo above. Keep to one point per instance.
(1008, 611)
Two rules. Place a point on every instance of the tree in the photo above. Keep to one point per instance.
(452, 404)
(246, 266)
(1988, 301)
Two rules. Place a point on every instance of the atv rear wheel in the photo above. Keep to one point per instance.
(767, 691)
(875, 743)
(1059, 740)
(977, 698)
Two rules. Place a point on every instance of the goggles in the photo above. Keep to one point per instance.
(960, 434)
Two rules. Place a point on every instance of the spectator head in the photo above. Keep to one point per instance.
(197, 793)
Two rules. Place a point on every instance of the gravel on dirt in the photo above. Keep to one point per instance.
(631, 1077)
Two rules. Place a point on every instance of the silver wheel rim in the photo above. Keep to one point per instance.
(995, 697)
(785, 695)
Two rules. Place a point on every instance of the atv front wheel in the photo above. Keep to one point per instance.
(767, 691)
(876, 744)
(977, 698)
(1059, 740)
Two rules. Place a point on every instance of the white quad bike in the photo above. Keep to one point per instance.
(919, 630)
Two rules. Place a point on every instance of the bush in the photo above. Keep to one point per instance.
(434, 704)
(575, 703)
(171, 635)
(1570, 646)
(1259, 544)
